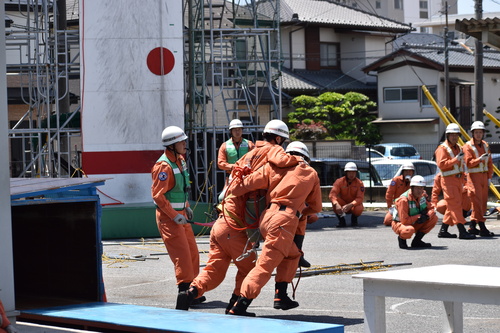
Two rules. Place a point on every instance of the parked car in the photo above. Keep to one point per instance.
(330, 169)
(373, 155)
(388, 169)
(397, 150)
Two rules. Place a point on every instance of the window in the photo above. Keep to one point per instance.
(398, 4)
(330, 55)
(425, 100)
(423, 4)
(378, 5)
(424, 15)
(407, 94)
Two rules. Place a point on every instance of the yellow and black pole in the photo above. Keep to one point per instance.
(448, 118)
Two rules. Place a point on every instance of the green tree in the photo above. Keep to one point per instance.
(334, 116)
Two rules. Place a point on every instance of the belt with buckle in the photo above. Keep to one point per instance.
(283, 208)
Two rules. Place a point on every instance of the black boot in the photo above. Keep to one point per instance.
(232, 302)
(354, 220)
(281, 299)
(240, 308)
(443, 232)
(463, 234)
(341, 221)
(466, 213)
(298, 240)
(402, 243)
(417, 240)
(484, 232)
(182, 296)
(185, 298)
(472, 228)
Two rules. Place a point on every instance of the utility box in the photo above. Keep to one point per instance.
(56, 237)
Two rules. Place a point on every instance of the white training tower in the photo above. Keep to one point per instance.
(132, 87)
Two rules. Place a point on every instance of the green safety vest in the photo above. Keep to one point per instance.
(178, 195)
(234, 154)
(413, 209)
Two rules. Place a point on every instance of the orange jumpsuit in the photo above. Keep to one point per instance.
(452, 173)
(5, 320)
(179, 239)
(479, 173)
(406, 226)
(344, 192)
(440, 205)
(288, 190)
(397, 187)
(228, 239)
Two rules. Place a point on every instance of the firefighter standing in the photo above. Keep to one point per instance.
(288, 191)
(234, 148)
(398, 186)
(449, 158)
(347, 196)
(440, 205)
(480, 170)
(170, 193)
(414, 215)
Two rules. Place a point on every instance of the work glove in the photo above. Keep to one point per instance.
(484, 157)
(423, 217)
(460, 156)
(489, 182)
(180, 219)
(189, 213)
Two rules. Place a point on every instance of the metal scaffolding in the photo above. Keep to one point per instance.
(233, 66)
(40, 60)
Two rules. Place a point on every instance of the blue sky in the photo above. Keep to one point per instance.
(467, 6)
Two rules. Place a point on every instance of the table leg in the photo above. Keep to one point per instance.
(374, 307)
(455, 316)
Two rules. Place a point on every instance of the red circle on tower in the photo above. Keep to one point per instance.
(160, 61)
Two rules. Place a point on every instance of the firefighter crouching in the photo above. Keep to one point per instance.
(414, 215)
(398, 186)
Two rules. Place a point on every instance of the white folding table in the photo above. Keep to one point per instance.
(451, 284)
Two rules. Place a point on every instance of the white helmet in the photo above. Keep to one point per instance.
(350, 166)
(171, 135)
(452, 128)
(477, 125)
(235, 123)
(277, 127)
(408, 166)
(417, 181)
(298, 147)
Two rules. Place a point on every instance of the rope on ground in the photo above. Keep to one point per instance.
(347, 268)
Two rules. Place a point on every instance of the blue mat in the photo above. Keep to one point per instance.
(143, 318)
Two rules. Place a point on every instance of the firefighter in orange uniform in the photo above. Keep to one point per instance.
(228, 239)
(170, 190)
(234, 148)
(398, 186)
(480, 170)
(449, 158)
(289, 189)
(5, 325)
(440, 205)
(347, 196)
(414, 215)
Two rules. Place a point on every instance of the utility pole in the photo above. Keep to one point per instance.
(478, 68)
(446, 64)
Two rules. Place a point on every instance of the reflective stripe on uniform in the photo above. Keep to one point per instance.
(483, 165)
(456, 168)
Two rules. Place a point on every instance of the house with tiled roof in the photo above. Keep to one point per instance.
(405, 113)
(326, 44)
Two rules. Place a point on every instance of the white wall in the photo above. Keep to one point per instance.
(298, 46)
(6, 255)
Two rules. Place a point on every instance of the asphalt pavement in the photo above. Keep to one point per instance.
(139, 272)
